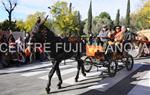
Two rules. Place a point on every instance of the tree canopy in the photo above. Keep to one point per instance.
(117, 22)
(9, 8)
(5, 26)
(90, 18)
(141, 18)
(128, 14)
(66, 21)
(104, 15)
(98, 21)
(29, 23)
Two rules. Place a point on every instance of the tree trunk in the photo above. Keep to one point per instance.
(9, 20)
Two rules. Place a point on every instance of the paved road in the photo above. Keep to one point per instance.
(32, 81)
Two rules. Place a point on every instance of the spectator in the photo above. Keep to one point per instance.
(11, 38)
(19, 44)
(3, 39)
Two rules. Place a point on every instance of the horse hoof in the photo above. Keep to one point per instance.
(76, 80)
(59, 87)
(47, 90)
(84, 74)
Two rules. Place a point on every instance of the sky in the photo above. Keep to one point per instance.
(26, 7)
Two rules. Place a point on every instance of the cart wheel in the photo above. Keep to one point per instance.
(112, 68)
(87, 64)
(129, 62)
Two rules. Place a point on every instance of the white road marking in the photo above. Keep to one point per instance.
(62, 67)
(33, 73)
(64, 72)
(142, 87)
(107, 83)
(71, 80)
(21, 69)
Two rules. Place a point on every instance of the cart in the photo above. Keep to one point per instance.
(96, 56)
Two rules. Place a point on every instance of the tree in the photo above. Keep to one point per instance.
(21, 25)
(31, 20)
(70, 7)
(65, 21)
(90, 18)
(98, 21)
(143, 19)
(117, 22)
(128, 14)
(140, 19)
(5, 26)
(9, 10)
(80, 24)
(104, 15)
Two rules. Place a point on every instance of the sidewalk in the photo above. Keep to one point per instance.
(23, 68)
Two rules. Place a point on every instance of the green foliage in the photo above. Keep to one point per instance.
(79, 23)
(9, 6)
(5, 26)
(66, 21)
(98, 21)
(128, 14)
(20, 24)
(90, 18)
(49, 24)
(104, 15)
(117, 22)
(70, 7)
(141, 18)
(31, 20)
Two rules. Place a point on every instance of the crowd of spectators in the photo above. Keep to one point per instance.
(19, 45)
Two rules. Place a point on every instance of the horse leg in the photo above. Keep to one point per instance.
(82, 67)
(140, 50)
(78, 71)
(59, 76)
(51, 73)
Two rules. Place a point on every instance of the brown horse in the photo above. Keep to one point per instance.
(58, 55)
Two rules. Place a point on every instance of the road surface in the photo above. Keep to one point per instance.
(32, 80)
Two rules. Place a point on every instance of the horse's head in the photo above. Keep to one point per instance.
(43, 35)
(138, 38)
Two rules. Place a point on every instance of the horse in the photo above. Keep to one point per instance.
(59, 55)
(139, 41)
